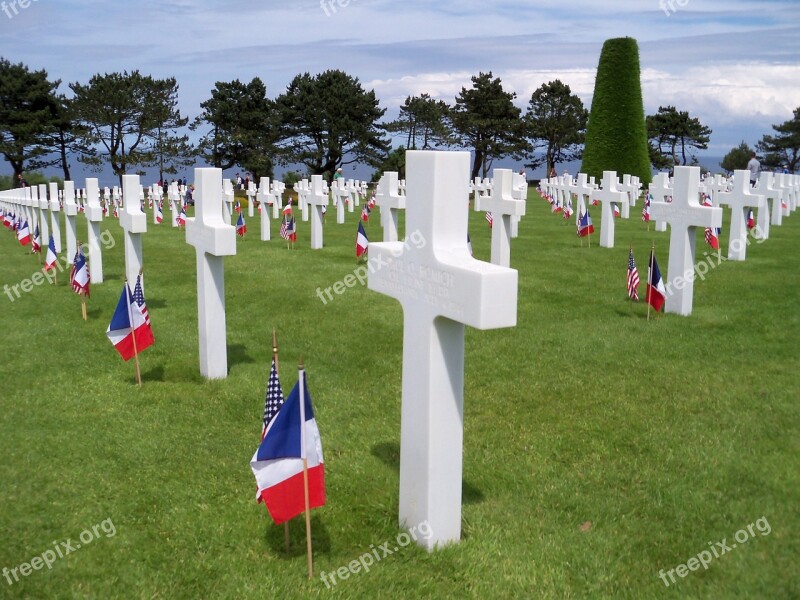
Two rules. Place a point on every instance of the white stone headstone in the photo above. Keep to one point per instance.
(278, 188)
(740, 200)
(134, 224)
(503, 206)
(70, 213)
(55, 221)
(40, 192)
(227, 205)
(583, 190)
(213, 239)
(340, 195)
(390, 202)
(263, 196)
(317, 199)
(251, 194)
(94, 217)
(441, 288)
(684, 214)
(766, 187)
(608, 195)
(661, 191)
(519, 192)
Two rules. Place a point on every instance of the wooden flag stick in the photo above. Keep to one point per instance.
(83, 306)
(133, 334)
(301, 381)
(649, 275)
(277, 370)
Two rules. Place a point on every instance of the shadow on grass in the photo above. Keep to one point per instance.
(237, 355)
(320, 539)
(389, 454)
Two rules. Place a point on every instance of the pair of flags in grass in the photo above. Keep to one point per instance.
(130, 330)
(290, 451)
(656, 291)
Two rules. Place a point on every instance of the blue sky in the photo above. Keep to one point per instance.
(733, 64)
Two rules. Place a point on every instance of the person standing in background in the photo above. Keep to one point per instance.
(754, 167)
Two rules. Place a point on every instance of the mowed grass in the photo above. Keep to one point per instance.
(599, 448)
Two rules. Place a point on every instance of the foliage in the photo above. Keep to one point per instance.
(31, 177)
(658, 455)
(395, 161)
(26, 103)
(64, 137)
(556, 120)
(486, 120)
(242, 124)
(671, 134)
(616, 136)
(292, 177)
(737, 158)
(783, 148)
(425, 118)
(328, 121)
(124, 116)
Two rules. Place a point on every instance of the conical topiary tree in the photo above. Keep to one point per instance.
(616, 137)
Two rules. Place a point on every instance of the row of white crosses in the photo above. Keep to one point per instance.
(505, 205)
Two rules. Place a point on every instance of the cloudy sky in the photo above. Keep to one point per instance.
(733, 64)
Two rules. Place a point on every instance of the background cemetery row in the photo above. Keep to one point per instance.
(320, 123)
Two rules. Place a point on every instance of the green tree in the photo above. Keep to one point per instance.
(395, 161)
(64, 138)
(486, 120)
(26, 115)
(243, 129)
(616, 136)
(328, 121)
(737, 158)
(673, 135)
(783, 149)
(555, 120)
(424, 118)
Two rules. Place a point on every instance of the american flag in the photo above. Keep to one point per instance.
(138, 297)
(287, 227)
(489, 218)
(274, 399)
(646, 209)
(633, 277)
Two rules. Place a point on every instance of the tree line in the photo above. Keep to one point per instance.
(131, 121)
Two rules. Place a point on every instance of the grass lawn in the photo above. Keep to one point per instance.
(599, 448)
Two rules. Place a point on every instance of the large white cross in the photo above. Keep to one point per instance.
(70, 212)
(631, 189)
(608, 195)
(789, 192)
(227, 205)
(519, 191)
(278, 187)
(316, 200)
(251, 194)
(264, 195)
(40, 192)
(134, 224)
(94, 217)
(583, 190)
(391, 203)
(683, 214)
(303, 190)
(213, 239)
(503, 206)
(340, 194)
(740, 200)
(441, 288)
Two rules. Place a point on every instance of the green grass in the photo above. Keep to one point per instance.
(666, 435)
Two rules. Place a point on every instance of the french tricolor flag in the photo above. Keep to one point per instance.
(129, 321)
(24, 234)
(291, 442)
(656, 292)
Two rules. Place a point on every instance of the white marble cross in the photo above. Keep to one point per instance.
(70, 212)
(303, 190)
(519, 191)
(340, 194)
(264, 195)
(631, 189)
(789, 192)
(213, 239)
(278, 187)
(134, 224)
(583, 190)
(94, 217)
(661, 190)
(608, 195)
(441, 289)
(227, 205)
(39, 193)
(55, 221)
(390, 202)
(684, 214)
(741, 201)
(251, 194)
(503, 206)
(773, 195)
(316, 200)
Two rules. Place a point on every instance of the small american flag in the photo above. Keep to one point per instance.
(138, 297)
(285, 228)
(274, 399)
(633, 277)
(489, 218)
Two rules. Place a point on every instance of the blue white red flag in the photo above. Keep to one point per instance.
(130, 321)
(52, 257)
(585, 225)
(24, 234)
(362, 243)
(241, 227)
(656, 292)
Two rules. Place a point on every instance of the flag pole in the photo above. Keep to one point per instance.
(133, 332)
(275, 358)
(649, 276)
(301, 382)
